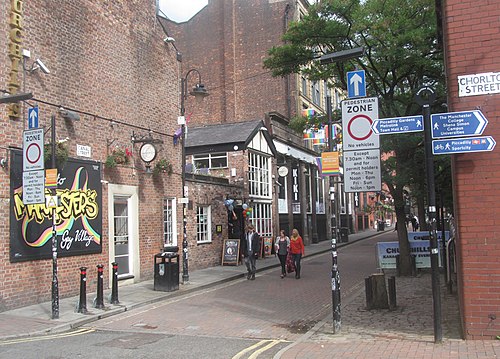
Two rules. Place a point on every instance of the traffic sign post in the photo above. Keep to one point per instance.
(463, 145)
(357, 118)
(458, 124)
(33, 150)
(356, 84)
(33, 117)
(362, 171)
(394, 125)
(33, 187)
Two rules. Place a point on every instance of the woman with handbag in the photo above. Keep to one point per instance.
(281, 245)
(297, 250)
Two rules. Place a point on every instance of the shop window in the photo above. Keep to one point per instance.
(169, 222)
(258, 175)
(211, 160)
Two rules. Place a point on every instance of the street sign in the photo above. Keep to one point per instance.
(356, 84)
(457, 124)
(362, 171)
(357, 119)
(386, 126)
(463, 145)
(33, 150)
(33, 187)
(479, 84)
(33, 117)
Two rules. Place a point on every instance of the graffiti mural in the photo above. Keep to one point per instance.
(78, 217)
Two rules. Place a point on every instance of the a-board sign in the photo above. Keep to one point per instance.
(231, 252)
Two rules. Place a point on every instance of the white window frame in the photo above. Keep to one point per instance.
(210, 157)
(169, 222)
(262, 218)
(259, 175)
(203, 229)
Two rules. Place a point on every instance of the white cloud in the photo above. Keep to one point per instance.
(181, 10)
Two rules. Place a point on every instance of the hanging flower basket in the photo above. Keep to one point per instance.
(62, 154)
(163, 166)
(117, 157)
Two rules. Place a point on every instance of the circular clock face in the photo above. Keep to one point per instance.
(148, 152)
(282, 171)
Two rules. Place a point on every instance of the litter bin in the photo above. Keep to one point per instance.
(381, 225)
(344, 234)
(166, 275)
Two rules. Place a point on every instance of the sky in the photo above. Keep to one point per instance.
(181, 10)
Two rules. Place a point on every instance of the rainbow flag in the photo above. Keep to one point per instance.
(308, 112)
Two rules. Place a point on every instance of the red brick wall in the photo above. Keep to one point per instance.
(472, 40)
(108, 60)
(227, 42)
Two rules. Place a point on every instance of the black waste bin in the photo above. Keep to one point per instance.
(166, 276)
(344, 234)
(381, 225)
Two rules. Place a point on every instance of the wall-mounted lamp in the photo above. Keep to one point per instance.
(69, 115)
(4, 163)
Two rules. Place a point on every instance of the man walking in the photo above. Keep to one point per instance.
(250, 247)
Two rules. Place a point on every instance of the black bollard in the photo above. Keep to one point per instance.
(82, 304)
(99, 302)
(392, 292)
(368, 293)
(114, 288)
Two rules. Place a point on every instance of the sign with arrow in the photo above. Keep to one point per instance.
(33, 117)
(386, 126)
(456, 124)
(463, 145)
(356, 84)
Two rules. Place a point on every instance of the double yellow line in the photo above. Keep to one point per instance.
(47, 337)
(256, 353)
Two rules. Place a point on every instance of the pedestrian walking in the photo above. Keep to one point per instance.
(414, 223)
(297, 250)
(250, 247)
(282, 245)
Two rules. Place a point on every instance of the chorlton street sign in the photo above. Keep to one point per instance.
(479, 84)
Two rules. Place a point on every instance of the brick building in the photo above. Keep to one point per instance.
(227, 43)
(471, 43)
(107, 63)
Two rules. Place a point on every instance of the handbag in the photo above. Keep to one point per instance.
(290, 266)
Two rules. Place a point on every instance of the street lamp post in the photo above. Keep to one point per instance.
(335, 279)
(199, 92)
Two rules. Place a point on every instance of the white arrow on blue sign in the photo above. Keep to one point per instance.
(457, 124)
(33, 117)
(463, 145)
(384, 126)
(356, 85)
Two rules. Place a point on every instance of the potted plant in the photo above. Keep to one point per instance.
(163, 166)
(117, 157)
(62, 153)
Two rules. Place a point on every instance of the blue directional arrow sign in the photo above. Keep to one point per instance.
(458, 124)
(356, 85)
(384, 126)
(33, 117)
(463, 145)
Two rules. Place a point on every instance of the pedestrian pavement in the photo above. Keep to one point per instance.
(405, 332)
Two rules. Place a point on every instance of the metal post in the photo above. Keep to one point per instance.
(99, 302)
(185, 267)
(114, 286)
(335, 272)
(425, 96)
(82, 303)
(55, 281)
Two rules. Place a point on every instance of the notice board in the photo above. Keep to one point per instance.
(231, 252)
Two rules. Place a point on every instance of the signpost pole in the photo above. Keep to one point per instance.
(334, 209)
(425, 96)
(55, 282)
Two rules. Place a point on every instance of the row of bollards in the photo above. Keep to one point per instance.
(99, 301)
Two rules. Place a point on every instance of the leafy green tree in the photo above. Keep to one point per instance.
(402, 53)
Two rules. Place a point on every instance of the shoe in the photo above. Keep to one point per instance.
(249, 275)
(252, 277)
(282, 276)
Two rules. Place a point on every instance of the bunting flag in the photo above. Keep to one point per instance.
(308, 112)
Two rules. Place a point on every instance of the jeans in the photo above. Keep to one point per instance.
(250, 263)
(296, 260)
(282, 258)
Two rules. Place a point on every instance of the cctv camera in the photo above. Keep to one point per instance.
(42, 66)
(169, 39)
